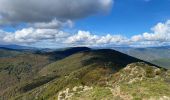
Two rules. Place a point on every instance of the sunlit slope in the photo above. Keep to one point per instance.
(90, 67)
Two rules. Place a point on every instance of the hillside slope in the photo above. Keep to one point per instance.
(97, 71)
(4, 52)
(20, 66)
(156, 55)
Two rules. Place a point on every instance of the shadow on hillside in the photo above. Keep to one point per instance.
(61, 54)
(110, 58)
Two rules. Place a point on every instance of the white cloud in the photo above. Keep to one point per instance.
(46, 18)
(32, 35)
(82, 37)
(137, 38)
(88, 39)
(160, 33)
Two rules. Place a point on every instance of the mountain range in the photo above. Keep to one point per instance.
(79, 73)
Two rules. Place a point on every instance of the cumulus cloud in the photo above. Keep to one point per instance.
(31, 11)
(82, 37)
(160, 33)
(87, 38)
(32, 35)
(46, 18)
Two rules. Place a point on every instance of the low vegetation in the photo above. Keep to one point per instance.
(85, 75)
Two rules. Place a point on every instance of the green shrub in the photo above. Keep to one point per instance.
(150, 72)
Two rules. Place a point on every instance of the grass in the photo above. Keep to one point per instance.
(98, 93)
(147, 89)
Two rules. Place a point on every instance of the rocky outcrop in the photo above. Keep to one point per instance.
(68, 93)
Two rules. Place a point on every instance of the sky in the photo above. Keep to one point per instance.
(92, 23)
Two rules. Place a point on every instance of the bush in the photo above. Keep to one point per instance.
(150, 72)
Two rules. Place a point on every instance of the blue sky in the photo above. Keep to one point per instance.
(128, 17)
(60, 23)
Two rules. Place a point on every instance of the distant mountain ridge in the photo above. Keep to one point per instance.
(16, 47)
(157, 55)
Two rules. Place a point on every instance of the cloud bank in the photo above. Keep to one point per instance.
(159, 35)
